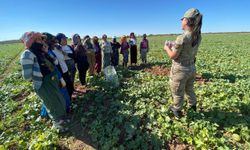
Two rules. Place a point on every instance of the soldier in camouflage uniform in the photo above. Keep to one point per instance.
(183, 52)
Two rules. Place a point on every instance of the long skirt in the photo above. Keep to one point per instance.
(115, 57)
(72, 69)
(82, 69)
(106, 60)
(91, 61)
(69, 84)
(98, 64)
(133, 54)
(51, 97)
(66, 97)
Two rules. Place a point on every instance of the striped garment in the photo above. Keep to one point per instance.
(30, 69)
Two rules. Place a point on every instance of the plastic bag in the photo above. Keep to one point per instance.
(111, 75)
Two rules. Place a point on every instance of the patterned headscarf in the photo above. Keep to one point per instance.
(28, 38)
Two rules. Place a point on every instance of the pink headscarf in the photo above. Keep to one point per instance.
(28, 38)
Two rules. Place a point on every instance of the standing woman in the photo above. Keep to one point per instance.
(98, 55)
(80, 58)
(124, 50)
(50, 40)
(107, 51)
(38, 68)
(144, 48)
(90, 54)
(133, 49)
(60, 55)
(182, 53)
(69, 55)
(115, 48)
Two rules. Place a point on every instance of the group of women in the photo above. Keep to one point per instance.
(50, 63)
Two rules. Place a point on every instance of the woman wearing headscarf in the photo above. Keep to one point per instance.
(115, 48)
(80, 58)
(38, 67)
(90, 54)
(69, 55)
(133, 49)
(51, 41)
(60, 55)
(107, 51)
(183, 52)
(144, 48)
(124, 50)
(98, 55)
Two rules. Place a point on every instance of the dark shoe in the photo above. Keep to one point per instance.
(176, 113)
(193, 108)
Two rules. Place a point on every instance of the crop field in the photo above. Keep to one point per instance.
(136, 114)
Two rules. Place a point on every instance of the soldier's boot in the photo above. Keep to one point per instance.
(177, 113)
(193, 108)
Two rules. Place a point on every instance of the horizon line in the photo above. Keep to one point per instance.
(151, 34)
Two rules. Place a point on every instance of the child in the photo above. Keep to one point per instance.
(124, 50)
(144, 48)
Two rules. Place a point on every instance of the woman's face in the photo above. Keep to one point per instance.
(78, 39)
(63, 41)
(45, 46)
(104, 38)
(184, 23)
(39, 40)
(95, 40)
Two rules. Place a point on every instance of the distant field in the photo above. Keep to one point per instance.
(8, 52)
(135, 115)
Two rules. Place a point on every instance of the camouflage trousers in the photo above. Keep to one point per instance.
(182, 83)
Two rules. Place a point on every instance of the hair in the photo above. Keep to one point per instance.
(74, 39)
(104, 36)
(86, 39)
(95, 39)
(195, 24)
(123, 39)
(132, 35)
(36, 48)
